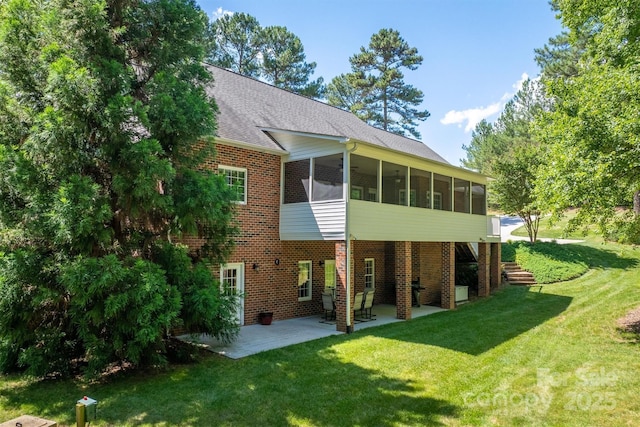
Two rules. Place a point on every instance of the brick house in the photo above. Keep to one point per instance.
(329, 203)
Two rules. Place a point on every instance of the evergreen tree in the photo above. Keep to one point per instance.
(388, 102)
(101, 109)
(240, 44)
(283, 63)
(509, 151)
(237, 44)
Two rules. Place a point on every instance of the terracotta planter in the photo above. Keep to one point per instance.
(265, 317)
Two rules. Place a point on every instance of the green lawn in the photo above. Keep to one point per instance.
(525, 356)
(555, 230)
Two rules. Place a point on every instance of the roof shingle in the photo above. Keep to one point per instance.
(247, 106)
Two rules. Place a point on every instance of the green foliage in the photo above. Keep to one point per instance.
(592, 133)
(120, 310)
(102, 107)
(201, 294)
(509, 152)
(485, 363)
(549, 262)
(375, 88)
(240, 44)
(283, 63)
(237, 43)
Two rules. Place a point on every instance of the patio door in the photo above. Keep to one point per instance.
(232, 283)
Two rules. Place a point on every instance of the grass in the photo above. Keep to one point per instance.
(524, 356)
(550, 262)
(556, 230)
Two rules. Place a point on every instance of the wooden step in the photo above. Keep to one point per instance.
(517, 276)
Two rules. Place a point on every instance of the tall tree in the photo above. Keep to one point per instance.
(388, 102)
(283, 63)
(342, 93)
(593, 132)
(102, 106)
(237, 44)
(509, 151)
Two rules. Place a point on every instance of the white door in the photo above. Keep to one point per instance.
(232, 283)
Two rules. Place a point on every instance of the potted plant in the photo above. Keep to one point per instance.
(265, 317)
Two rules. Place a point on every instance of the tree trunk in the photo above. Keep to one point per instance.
(636, 203)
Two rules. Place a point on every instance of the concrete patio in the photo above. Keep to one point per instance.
(257, 338)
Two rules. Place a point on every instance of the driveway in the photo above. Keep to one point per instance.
(508, 224)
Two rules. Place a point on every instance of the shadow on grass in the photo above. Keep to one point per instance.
(573, 253)
(478, 327)
(308, 386)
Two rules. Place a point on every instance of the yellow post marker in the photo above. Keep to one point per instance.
(81, 415)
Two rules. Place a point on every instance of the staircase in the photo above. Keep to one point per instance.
(517, 276)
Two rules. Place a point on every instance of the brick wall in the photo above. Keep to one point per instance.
(430, 272)
(448, 296)
(375, 250)
(403, 279)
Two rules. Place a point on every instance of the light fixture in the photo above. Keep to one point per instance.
(255, 266)
(321, 263)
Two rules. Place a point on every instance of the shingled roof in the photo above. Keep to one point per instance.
(247, 106)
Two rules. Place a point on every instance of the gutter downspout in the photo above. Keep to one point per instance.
(347, 169)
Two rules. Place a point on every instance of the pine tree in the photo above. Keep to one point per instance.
(388, 102)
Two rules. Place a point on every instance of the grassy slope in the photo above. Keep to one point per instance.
(525, 356)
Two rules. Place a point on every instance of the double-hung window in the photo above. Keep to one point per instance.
(237, 179)
(369, 274)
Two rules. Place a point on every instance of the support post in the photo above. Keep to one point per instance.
(496, 265)
(484, 255)
(344, 288)
(448, 290)
(403, 279)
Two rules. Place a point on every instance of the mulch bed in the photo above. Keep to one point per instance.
(631, 322)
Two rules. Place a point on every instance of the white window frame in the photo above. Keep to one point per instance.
(402, 197)
(223, 169)
(437, 200)
(369, 277)
(239, 287)
(330, 275)
(372, 192)
(305, 286)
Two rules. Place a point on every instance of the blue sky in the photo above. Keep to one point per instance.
(475, 52)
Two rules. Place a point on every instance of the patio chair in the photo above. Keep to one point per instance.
(367, 305)
(358, 302)
(329, 306)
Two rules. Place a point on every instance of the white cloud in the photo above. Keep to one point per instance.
(518, 85)
(220, 12)
(472, 116)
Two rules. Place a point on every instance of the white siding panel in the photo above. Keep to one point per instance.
(303, 147)
(378, 221)
(313, 221)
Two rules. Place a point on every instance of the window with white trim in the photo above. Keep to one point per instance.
(329, 275)
(369, 274)
(237, 179)
(304, 280)
(437, 200)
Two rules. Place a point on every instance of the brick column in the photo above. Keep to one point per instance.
(484, 253)
(448, 290)
(403, 279)
(496, 265)
(341, 287)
